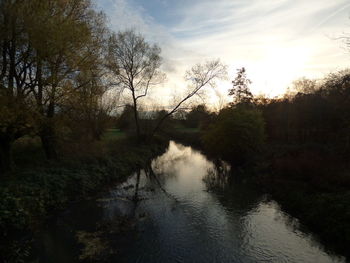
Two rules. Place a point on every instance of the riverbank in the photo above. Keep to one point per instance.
(310, 182)
(181, 207)
(325, 213)
(32, 193)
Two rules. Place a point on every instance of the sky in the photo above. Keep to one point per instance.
(277, 41)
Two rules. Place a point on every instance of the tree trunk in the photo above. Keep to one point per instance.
(5, 155)
(136, 195)
(48, 134)
(136, 116)
(48, 140)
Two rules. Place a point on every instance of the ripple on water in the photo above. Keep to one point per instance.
(187, 211)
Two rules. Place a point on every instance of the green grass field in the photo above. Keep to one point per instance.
(187, 130)
(114, 134)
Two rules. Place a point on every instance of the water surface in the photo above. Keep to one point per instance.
(184, 208)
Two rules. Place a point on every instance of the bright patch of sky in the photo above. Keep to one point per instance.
(277, 41)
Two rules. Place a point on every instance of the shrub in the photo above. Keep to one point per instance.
(237, 135)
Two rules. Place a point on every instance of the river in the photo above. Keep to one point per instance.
(182, 208)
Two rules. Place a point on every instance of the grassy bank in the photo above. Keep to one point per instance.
(36, 189)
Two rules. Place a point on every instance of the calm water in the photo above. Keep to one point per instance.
(182, 208)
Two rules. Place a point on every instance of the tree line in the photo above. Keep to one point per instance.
(311, 113)
(58, 63)
(62, 70)
(50, 64)
(317, 111)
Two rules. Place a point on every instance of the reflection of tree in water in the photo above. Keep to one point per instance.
(119, 231)
(236, 195)
(153, 176)
(152, 182)
(232, 192)
(230, 202)
(217, 177)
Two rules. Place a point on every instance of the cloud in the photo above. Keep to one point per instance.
(276, 40)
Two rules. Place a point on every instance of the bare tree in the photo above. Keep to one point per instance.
(200, 76)
(135, 65)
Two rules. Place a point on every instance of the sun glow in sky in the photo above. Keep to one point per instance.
(277, 41)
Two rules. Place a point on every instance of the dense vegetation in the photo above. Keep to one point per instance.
(62, 72)
(40, 188)
(237, 134)
(308, 154)
(297, 148)
(49, 81)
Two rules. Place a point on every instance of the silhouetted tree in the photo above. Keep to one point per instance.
(16, 113)
(237, 134)
(197, 116)
(200, 76)
(135, 65)
(317, 112)
(240, 90)
(126, 120)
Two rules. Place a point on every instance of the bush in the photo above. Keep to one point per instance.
(237, 135)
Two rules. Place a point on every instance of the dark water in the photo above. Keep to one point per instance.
(182, 208)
